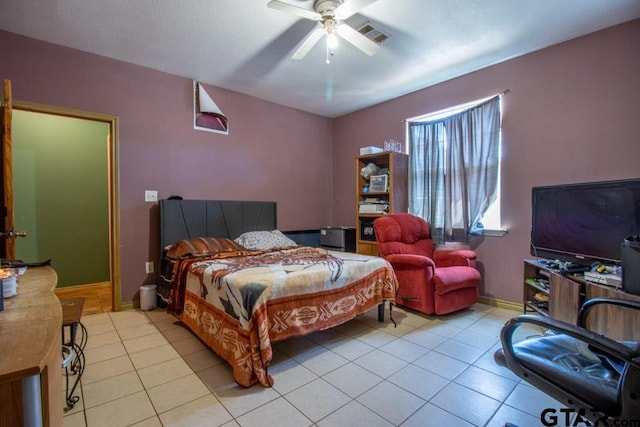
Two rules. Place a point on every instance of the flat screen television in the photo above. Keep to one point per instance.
(584, 223)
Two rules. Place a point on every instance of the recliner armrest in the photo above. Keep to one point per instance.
(409, 260)
(450, 258)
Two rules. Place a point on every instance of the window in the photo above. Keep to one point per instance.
(454, 162)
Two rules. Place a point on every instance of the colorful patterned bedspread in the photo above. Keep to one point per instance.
(238, 305)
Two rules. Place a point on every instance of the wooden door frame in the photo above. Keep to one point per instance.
(8, 244)
(113, 178)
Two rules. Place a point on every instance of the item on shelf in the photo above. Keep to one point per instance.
(542, 305)
(539, 283)
(379, 183)
(370, 170)
(373, 208)
(564, 267)
(602, 278)
(393, 145)
(543, 281)
(367, 232)
(544, 273)
(370, 150)
(540, 296)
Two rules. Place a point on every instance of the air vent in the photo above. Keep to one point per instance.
(372, 33)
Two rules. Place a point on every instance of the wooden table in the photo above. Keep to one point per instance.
(30, 352)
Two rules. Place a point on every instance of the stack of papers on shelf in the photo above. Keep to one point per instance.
(538, 283)
(374, 205)
(602, 278)
(373, 208)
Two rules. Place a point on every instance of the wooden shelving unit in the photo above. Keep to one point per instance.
(562, 293)
(396, 197)
(567, 292)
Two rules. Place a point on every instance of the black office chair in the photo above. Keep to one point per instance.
(596, 377)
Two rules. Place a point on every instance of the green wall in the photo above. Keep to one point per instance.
(61, 194)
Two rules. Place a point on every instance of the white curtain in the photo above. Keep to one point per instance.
(453, 170)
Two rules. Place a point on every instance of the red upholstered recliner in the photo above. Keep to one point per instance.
(430, 280)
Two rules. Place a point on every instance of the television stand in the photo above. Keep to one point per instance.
(559, 295)
(543, 282)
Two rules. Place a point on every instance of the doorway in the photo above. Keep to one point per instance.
(71, 216)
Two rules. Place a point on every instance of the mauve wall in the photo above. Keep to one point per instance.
(572, 115)
(271, 153)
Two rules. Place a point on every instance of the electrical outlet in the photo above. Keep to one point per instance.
(150, 196)
(148, 267)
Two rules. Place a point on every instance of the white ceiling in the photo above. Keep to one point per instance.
(244, 46)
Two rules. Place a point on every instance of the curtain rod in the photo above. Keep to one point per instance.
(504, 92)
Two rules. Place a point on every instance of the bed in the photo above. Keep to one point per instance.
(240, 284)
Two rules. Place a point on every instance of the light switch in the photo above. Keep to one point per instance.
(150, 196)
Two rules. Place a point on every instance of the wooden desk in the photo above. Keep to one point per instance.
(30, 355)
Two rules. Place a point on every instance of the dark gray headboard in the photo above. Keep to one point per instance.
(185, 219)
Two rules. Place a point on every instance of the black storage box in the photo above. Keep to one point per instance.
(631, 265)
(366, 231)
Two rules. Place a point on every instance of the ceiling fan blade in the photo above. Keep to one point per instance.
(308, 43)
(286, 7)
(351, 7)
(358, 40)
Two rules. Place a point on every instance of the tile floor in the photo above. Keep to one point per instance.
(146, 369)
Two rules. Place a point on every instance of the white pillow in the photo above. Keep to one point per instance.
(264, 240)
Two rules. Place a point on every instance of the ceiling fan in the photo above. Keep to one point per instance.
(330, 13)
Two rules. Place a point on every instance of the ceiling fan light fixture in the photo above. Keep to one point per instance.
(330, 13)
(332, 40)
